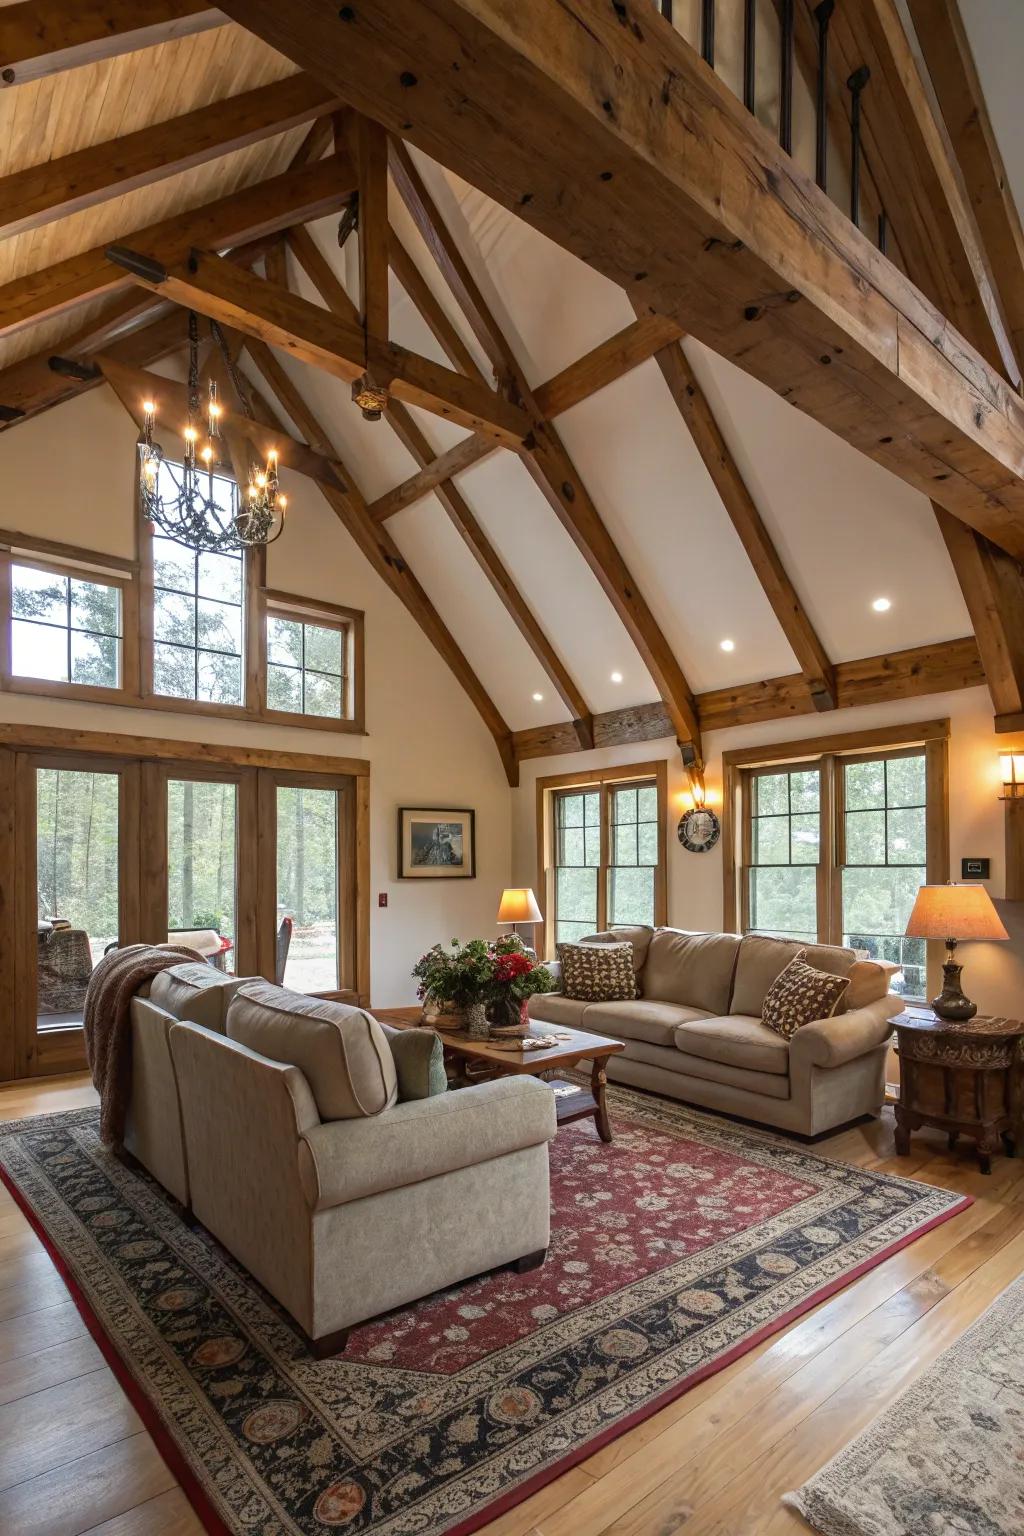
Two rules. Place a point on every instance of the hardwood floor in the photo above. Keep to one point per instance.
(76, 1461)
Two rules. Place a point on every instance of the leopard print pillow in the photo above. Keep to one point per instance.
(799, 995)
(597, 973)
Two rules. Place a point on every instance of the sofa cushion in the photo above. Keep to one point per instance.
(553, 1008)
(762, 959)
(869, 981)
(419, 1062)
(640, 937)
(597, 973)
(641, 1019)
(196, 993)
(343, 1052)
(692, 968)
(801, 995)
(677, 1063)
(738, 1040)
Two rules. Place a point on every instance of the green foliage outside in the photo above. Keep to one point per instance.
(64, 629)
(76, 851)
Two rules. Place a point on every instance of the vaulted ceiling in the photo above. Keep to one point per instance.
(751, 541)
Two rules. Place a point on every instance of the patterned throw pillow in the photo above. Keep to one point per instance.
(799, 995)
(597, 973)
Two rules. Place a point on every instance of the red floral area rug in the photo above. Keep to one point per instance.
(674, 1249)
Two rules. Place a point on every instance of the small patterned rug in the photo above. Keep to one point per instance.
(947, 1459)
(674, 1249)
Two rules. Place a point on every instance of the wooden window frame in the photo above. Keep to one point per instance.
(830, 753)
(145, 764)
(351, 624)
(601, 779)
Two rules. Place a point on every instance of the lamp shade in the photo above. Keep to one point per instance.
(954, 912)
(519, 905)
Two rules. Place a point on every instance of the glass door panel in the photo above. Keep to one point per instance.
(202, 867)
(78, 886)
(307, 888)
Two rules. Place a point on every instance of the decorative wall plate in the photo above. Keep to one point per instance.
(699, 830)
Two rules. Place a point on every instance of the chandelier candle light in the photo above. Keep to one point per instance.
(195, 511)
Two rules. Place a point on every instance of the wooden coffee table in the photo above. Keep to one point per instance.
(479, 1060)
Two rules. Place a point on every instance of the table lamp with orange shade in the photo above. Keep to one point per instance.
(519, 905)
(954, 913)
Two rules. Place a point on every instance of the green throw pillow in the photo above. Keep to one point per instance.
(419, 1062)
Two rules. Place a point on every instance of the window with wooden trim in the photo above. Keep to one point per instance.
(602, 850)
(65, 627)
(313, 660)
(835, 847)
(199, 614)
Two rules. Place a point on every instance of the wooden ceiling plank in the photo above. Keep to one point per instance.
(414, 439)
(947, 53)
(923, 670)
(40, 194)
(423, 297)
(693, 407)
(606, 363)
(550, 466)
(463, 455)
(214, 287)
(134, 385)
(266, 207)
(721, 231)
(43, 37)
(992, 583)
(905, 134)
(383, 554)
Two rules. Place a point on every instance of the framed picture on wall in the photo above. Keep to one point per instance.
(436, 844)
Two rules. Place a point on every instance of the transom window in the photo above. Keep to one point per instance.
(305, 667)
(836, 849)
(605, 864)
(64, 628)
(198, 618)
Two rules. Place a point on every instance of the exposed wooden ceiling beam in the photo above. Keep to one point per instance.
(954, 76)
(605, 363)
(550, 466)
(412, 436)
(134, 385)
(719, 230)
(266, 207)
(369, 147)
(42, 37)
(422, 295)
(42, 193)
(910, 151)
(258, 308)
(470, 451)
(992, 583)
(693, 406)
(383, 554)
(942, 668)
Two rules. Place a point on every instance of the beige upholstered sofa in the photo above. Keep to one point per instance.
(281, 1125)
(695, 1032)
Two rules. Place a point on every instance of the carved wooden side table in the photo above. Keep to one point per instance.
(966, 1078)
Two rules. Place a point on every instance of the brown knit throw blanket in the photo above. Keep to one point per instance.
(107, 1023)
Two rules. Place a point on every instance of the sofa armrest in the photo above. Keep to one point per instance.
(831, 1042)
(343, 1160)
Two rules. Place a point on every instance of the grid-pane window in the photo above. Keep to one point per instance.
(785, 850)
(577, 863)
(885, 840)
(305, 667)
(64, 628)
(633, 855)
(198, 615)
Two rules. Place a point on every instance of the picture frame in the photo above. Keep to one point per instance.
(436, 843)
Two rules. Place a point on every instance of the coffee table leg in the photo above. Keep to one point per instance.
(598, 1083)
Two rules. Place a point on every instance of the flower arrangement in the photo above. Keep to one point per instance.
(501, 975)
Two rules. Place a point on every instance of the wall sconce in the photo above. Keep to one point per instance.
(1011, 774)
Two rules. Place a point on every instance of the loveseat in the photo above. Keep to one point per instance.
(695, 1033)
(276, 1119)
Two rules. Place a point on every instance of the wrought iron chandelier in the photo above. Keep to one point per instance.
(190, 506)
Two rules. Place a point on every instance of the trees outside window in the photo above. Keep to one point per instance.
(64, 628)
(305, 667)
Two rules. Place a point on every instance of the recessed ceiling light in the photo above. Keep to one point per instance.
(538, 698)
(727, 645)
(616, 677)
(881, 605)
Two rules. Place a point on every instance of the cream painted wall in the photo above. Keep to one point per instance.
(425, 741)
(994, 973)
